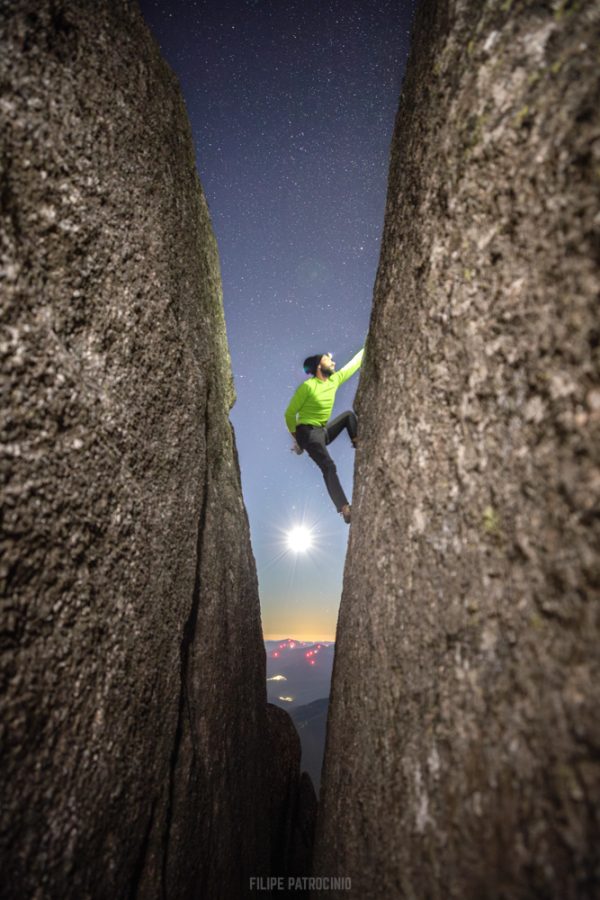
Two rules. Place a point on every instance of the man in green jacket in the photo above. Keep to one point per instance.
(307, 419)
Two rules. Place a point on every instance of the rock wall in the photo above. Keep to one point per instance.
(135, 747)
(463, 747)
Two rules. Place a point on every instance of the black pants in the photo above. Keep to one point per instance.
(314, 440)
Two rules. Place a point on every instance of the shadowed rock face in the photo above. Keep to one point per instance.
(293, 805)
(462, 752)
(133, 705)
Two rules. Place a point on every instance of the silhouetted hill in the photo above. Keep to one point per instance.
(311, 723)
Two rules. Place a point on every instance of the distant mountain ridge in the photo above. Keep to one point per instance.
(299, 680)
(298, 672)
(273, 645)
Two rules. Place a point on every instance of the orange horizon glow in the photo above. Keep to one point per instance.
(299, 637)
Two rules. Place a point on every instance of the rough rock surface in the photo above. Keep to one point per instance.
(133, 704)
(462, 755)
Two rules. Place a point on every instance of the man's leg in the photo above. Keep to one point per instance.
(346, 420)
(315, 447)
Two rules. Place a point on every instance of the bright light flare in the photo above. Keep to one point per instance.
(299, 539)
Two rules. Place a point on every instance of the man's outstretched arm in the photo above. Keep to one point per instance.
(294, 407)
(350, 368)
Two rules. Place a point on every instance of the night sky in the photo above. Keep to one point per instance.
(292, 104)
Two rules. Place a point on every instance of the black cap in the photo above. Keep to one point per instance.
(311, 363)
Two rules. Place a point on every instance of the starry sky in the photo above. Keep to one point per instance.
(292, 105)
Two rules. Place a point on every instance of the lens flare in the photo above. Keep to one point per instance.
(299, 539)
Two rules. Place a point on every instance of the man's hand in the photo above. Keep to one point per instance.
(296, 448)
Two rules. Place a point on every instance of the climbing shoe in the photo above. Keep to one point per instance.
(345, 513)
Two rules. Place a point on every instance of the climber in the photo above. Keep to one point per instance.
(307, 419)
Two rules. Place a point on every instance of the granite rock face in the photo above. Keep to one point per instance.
(462, 755)
(133, 704)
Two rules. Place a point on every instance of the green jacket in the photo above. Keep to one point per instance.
(313, 401)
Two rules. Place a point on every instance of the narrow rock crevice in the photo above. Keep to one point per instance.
(189, 632)
(136, 876)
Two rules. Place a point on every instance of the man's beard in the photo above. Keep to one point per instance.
(327, 371)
